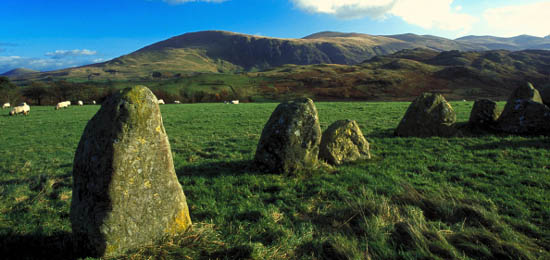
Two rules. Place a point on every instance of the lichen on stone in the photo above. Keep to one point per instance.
(343, 142)
(290, 139)
(428, 115)
(125, 190)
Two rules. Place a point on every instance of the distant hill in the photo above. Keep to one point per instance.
(18, 72)
(228, 52)
(522, 42)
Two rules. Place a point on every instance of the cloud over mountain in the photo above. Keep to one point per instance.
(59, 54)
(54, 60)
(512, 20)
(347, 8)
(428, 14)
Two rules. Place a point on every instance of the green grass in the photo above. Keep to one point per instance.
(479, 197)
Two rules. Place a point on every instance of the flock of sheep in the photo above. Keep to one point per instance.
(24, 109)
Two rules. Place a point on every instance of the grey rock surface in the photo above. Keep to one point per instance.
(125, 190)
(428, 115)
(290, 139)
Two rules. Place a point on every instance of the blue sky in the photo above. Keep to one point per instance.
(53, 34)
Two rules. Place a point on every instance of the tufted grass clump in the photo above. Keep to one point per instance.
(482, 196)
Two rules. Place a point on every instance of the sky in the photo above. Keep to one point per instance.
(53, 34)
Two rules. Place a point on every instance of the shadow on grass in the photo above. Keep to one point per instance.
(220, 168)
(538, 143)
(380, 133)
(58, 246)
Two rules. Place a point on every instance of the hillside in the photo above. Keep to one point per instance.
(522, 42)
(396, 77)
(406, 74)
(227, 52)
(18, 72)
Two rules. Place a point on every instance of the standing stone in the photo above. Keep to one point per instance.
(524, 92)
(428, 115)
(125, 190)
(525, 113)
(342, 142)
(290, 139)
(484, 114)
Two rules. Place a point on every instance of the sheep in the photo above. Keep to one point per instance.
(63, 104)
(80, 103)
(93, 102)
(6, 105)
(160, 102)
(177, 102)
(20, 109)
(235, 102)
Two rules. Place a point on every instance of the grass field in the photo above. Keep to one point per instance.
(484, 197)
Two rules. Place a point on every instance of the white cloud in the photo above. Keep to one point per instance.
(44, 64)
(186, 1)
(433, 14)
(428, 14)
(514, 20)
(347, 8)
(59, 54)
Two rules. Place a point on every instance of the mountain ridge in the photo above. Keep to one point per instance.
(230, 52)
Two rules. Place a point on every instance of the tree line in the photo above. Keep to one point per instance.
(50, 93)
(41, 93)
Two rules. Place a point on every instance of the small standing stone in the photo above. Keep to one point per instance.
(125, 190)
(342, 142)
(428, 115)
(290, 139)
(484, 114)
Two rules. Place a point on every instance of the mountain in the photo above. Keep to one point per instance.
(522, 42)
(228, 52)
(18, 72)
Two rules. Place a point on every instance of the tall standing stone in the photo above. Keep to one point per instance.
(525, 113)
(342, 142)
(125, 190)
(290, 139)
(428, 115)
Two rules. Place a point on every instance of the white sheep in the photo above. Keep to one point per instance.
(80, 103)
(160, 102)
(235, 102)
(21, 109)
(177, 102)
(93, 102)
(6, 105)
(63, 104)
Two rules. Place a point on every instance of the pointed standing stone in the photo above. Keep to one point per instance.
(125, 190)
(525, 113)
(290, 139)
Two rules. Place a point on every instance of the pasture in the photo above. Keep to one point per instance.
(473, 197)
